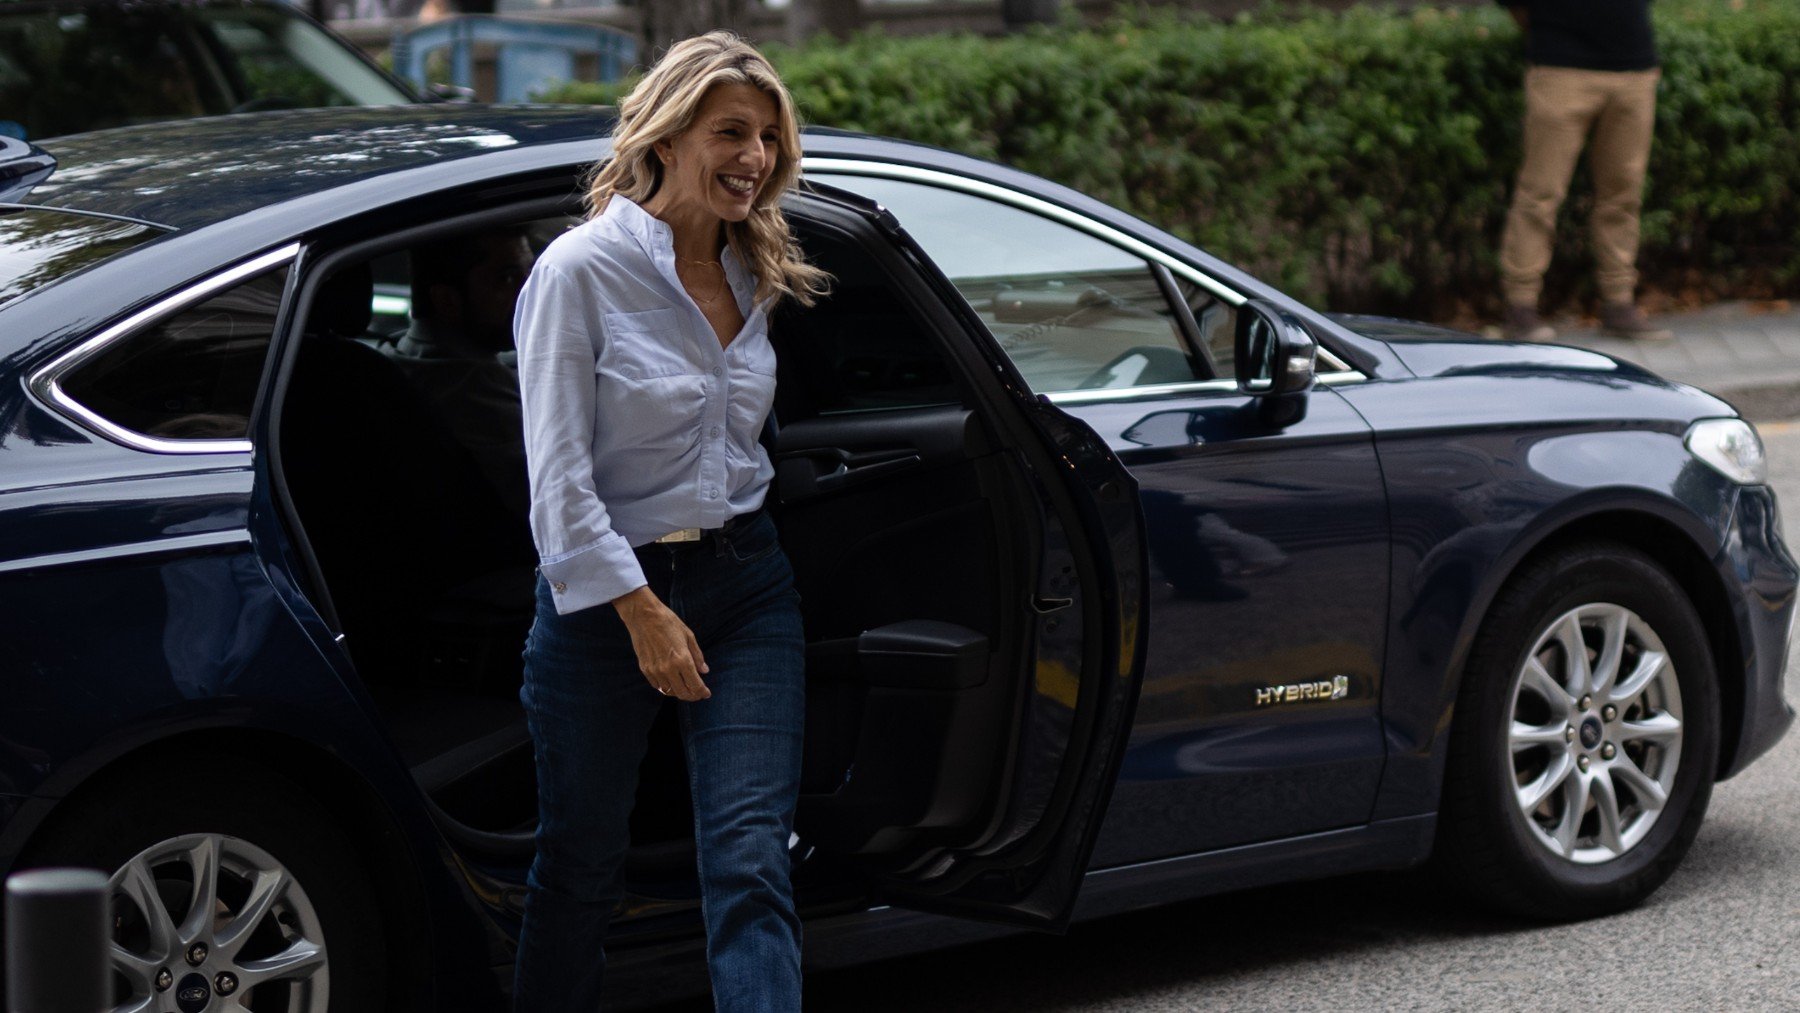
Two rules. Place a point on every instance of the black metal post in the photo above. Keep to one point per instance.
(56, 942)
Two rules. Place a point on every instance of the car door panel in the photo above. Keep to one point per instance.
(1257, 533)
(892, 719)
(1269, 556)
(966, 591)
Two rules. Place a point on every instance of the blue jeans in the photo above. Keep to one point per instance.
(590, 711)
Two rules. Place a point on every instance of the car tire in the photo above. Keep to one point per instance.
(294, 927)
(1569, 799)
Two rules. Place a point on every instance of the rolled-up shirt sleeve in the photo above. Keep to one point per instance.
(559, 337)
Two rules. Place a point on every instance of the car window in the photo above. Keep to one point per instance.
(859, 349)
(479, 272)
(192, 375)
(1217, 324)
(37, 246)
(1072, 311)
(106, 65)
(287, 63)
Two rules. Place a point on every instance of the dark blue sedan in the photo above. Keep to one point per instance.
(1127, 579)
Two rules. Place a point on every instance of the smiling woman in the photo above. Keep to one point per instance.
(646, 377)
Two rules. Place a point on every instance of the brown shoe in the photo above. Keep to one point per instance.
(1625, 320)
(1524, 324)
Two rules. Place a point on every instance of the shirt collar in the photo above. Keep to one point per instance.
(651, 232)
(420, 341)
(743, 286)
(657, 240)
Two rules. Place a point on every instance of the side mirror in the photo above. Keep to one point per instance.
(1276, 361)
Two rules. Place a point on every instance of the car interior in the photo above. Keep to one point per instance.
(908, 523)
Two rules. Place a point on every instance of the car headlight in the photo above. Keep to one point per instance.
(1731, 448)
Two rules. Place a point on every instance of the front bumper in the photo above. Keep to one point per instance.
(1761, 576)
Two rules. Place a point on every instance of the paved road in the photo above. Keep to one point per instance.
(1724, 933)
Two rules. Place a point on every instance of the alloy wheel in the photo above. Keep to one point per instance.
(1595, 733)
(212, 922)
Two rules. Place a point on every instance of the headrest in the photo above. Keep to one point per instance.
(342, 305)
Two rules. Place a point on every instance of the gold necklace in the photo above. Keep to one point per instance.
(724, 283)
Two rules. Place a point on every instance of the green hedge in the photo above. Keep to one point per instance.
(1361, 160)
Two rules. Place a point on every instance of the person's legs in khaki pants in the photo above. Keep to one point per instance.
(1561, 105)
(1619, 156)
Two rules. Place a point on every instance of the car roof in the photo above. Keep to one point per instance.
(184, 174)
(229, 187)
(236, 185)
(200, 171)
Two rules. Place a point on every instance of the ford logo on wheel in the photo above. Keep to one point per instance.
(193, 994)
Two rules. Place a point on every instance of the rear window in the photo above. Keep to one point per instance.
(37, 246)
(191, 375)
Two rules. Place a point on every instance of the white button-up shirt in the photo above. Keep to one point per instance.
(637, 422)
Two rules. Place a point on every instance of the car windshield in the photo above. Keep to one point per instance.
(66, 70)
(38, 246)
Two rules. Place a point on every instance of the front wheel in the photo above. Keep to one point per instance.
(1585, 739)
(238, 894)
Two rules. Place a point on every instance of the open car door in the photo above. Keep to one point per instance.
(971, 563)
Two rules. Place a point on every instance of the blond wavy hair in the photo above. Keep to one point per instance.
(663, 105)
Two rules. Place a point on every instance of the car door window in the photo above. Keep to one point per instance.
(1216, 322)
(1072, 312)
(859, 349)
(193, 375)
(283, 62)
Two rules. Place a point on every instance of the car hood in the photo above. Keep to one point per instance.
(1429, 350)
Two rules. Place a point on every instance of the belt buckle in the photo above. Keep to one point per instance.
(684, 535)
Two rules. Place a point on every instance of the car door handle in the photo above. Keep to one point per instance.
(862, 467)
(817, 471)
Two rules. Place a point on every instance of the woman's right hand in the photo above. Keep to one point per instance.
(667, 652)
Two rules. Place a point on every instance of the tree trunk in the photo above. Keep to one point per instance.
(1020, 13)
(666, 22)
(807, 18)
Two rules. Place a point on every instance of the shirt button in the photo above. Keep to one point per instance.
(718, 372)
(715, 432)
(560, 587)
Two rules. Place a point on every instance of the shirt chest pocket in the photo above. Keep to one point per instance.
(648, 392)
(752, 389)
(646, 345)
